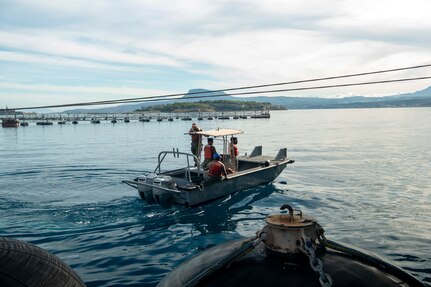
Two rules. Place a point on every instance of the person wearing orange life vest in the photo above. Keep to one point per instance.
(216, 168)
(209, 151)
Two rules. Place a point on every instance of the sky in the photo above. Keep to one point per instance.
(57, 52)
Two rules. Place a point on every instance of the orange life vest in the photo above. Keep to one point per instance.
(208, 151)
(215, 169)
(235, 150)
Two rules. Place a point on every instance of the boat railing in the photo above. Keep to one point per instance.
(176, 153)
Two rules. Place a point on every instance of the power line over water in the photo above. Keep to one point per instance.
(210, 94)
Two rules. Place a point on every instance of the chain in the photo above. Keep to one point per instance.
(259, 238)
(321, 235)
(316, 264)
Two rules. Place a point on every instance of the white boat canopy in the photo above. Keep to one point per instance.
(219, 132)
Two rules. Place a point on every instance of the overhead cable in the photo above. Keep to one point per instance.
(204, 94)
(285, 90)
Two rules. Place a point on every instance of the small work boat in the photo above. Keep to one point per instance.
(9, 123)
(291, 250)
(190, 186)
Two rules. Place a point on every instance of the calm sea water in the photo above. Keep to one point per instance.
(365, 174)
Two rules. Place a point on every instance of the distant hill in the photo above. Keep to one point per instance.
(348, 102)
(203, 95)
(212, 106)
(417, 99)
(191, 96)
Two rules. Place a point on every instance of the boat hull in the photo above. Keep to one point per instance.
(190, 186)
(236, 182)
(9, 123)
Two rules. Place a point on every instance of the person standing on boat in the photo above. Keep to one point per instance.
(196, 146)
(216, 169)
(234, 153)
(209, 151)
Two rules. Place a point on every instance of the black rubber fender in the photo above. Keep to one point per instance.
(235, 263)
(23, 265)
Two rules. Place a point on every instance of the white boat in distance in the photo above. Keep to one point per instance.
(190, 186)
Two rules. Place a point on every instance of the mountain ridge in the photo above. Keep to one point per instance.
(421, 98)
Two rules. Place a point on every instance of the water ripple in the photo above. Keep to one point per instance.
(362, 173)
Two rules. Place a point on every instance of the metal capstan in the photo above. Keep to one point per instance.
(285, 233)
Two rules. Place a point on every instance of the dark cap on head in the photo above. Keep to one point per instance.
(210, 139)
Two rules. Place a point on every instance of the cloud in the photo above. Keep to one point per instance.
(39, 42)
(37, 95)
(56, 61)
(259, 57)
(209, 44)
(81, 90)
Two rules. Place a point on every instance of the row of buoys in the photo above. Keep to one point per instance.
(45, 121)
(199, 118)
(141, 119)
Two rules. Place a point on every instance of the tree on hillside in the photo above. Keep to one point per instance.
(211, 106)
